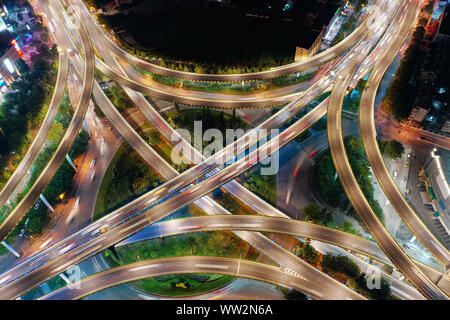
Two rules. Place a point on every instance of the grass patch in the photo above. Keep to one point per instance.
(231, 203)
(126, 178)
(212, 243)
(264, 186)
(183, 285)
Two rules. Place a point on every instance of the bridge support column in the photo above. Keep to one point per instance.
(63, 276)
(69, 160)
(86, 128)
(11, 249)
(46, 203)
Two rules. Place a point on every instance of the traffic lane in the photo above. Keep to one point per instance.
(402, 290)
(194, 99)
(191, 264)
(431, 138)
(270, 224)
(273, 122)
(391, 248)
(130, 135)
(368, 133)
(140, 78)
(389, 186)
(167, 131)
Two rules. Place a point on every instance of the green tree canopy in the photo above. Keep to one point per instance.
(340, 264)
(308, 253)
(392, 149)
(56, 132)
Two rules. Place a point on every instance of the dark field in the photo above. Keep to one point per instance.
(206, 35)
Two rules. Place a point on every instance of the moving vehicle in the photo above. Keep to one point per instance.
(160, 191)
(74, 210)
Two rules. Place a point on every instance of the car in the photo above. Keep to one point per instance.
(408, 191)
(395, 174)
(406, 164)
(103, 229)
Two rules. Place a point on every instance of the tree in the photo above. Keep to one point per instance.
(316, 214)
(154, 138)
(340, 264)
(139, 186)
(348, 227)
(22, 66)
(360, 85)
(392, 149)
(218, 194)
(44, 37)
(311, 211)
(381, 293)
(294, 295)
(56, 132)
(80, 144)
(38, 218)
(308, 253)
(401, 94)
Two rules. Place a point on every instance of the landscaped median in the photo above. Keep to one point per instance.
(233, 87)
(344, 270)
(211, 243)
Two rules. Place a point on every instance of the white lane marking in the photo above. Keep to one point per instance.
(212, 266)
(145, 267)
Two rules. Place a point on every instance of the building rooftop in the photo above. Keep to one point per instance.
(418, 114)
